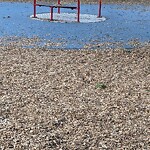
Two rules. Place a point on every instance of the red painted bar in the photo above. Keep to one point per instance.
(34, 9)
(59, 7)
(51, 11)
(78, 11)
(99, 8)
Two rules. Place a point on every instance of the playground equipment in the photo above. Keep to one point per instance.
(59, 6)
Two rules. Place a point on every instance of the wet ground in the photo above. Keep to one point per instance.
(123, 23)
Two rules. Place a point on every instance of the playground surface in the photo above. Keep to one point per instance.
(123, 23)
(74, 99)
(75, 86)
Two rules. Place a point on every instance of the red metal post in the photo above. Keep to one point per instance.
(99, 8)
(78, 11)
(34, 14)
(51, 9)
(59, 7)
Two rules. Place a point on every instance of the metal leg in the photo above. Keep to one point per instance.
(51, 11)
(59, 7)
(99, 9)
(34, 13)
(78, 11)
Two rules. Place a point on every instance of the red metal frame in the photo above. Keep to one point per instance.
(58, 6)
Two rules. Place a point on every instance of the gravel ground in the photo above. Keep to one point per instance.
(74, 99)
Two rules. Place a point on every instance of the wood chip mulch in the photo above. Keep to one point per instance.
(75, 99)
